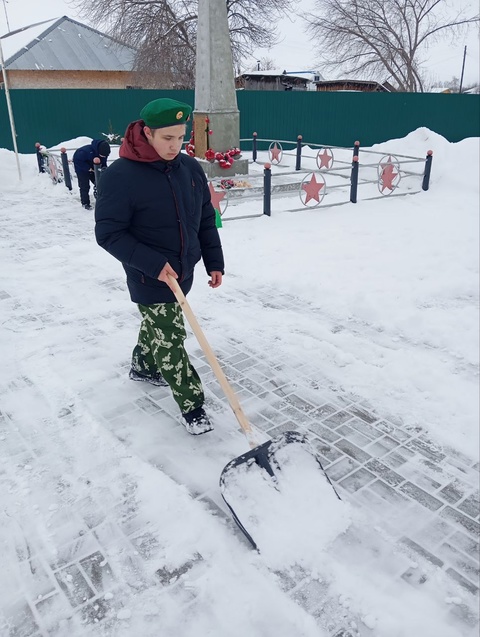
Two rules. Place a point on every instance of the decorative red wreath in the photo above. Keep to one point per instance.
(225, 159)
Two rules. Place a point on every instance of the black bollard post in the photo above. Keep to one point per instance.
(98, 175)
(267, 190)
(66, 170)
(428, 169)
(254, 147)
(41, 169)
(354, 175)
(356, 148)
(298, 164)
(354, 180)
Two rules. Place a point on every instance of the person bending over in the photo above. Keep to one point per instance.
(83, 162)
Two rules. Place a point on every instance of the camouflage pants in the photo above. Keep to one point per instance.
(160, 348)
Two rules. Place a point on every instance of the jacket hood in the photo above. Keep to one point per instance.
(100, 146)
(135, 145)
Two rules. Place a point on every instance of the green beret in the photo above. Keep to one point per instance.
(165, 112)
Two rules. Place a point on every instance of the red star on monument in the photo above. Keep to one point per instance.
(275, 152)
(216, 196)
(312, 189)
(388, 175)
(325, 159)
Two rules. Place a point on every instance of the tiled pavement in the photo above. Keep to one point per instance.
(425, 498)
(376, 461)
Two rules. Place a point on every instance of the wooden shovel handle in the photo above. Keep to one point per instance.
(213, 362)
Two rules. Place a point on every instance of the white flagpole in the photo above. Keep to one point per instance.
(10, 111)
(7, 92)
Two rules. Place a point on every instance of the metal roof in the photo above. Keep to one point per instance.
(272, 73)
(68, 45)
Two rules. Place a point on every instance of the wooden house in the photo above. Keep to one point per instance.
(67, 54)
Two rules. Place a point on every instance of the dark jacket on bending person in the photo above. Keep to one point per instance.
(151, 212)
(83, 157)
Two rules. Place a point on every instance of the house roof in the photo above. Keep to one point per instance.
(272, 73)
(308, 75)
(68, 45)
(353, 82)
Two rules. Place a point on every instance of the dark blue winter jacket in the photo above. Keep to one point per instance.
(149, 213)
(83, 157)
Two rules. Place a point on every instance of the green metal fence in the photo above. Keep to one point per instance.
(51, 116)
(340, 118)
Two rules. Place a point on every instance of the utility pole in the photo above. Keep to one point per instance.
(463, 68)
(7, 89)
(6, 15)
(10, 110)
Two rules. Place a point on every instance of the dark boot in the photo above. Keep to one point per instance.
(157, 379)
(197, 422)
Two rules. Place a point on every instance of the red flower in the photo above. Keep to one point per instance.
(210, 155)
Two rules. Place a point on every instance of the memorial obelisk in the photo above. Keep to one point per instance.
(215, 97)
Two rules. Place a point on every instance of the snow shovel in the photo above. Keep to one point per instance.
(263, 456)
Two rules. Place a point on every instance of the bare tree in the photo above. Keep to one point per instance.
(164, 32)
(383, 38)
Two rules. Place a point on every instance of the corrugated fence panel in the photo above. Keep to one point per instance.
(51, 116)
(341, 118)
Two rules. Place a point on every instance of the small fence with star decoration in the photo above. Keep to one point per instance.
(323, 175)
(330, 176)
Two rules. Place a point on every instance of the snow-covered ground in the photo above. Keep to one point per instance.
(111, 517)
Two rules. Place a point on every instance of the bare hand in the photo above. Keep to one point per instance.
(167, 269)
(215, 279)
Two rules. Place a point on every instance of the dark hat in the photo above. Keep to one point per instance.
(104, 148)
(165, 112)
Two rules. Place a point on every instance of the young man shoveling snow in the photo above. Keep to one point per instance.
(154, 214)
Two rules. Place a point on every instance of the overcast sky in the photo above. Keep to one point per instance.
(294, 53)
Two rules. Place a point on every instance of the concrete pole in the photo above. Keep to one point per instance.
(215, 96)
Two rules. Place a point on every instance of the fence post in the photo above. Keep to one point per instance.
(428, 169)
(356, 148)
(267, 190)
(254, 147)
(66, 169)
(41, 169)
(354, 175)
(298, 164)
(97, 169)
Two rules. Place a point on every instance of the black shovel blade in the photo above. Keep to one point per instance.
(265, 456)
